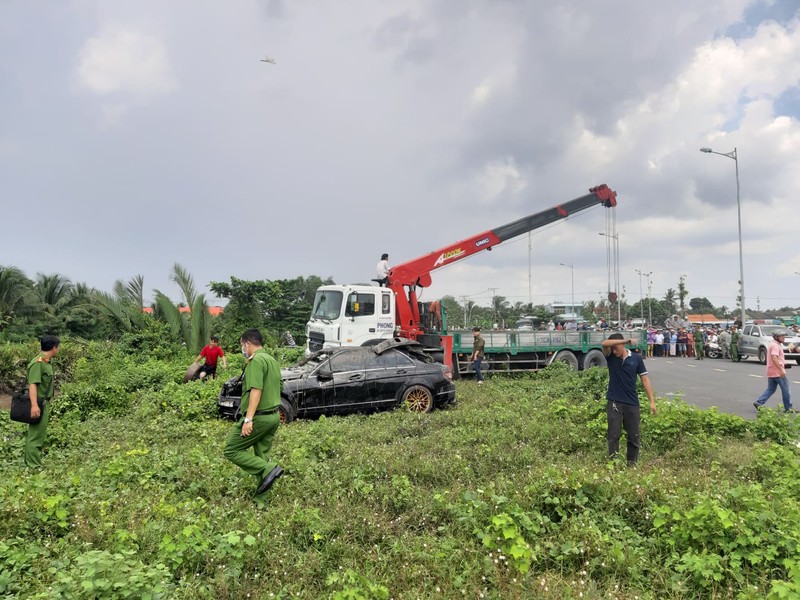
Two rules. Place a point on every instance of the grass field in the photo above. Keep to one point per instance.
(507, 495)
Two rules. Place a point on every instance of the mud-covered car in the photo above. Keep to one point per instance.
(344, 380)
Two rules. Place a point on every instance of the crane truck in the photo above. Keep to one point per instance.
(362, 314)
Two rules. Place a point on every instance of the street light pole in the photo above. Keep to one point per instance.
(572, 267)
(733, 155)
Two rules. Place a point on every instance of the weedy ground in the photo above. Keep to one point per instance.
(507, 495)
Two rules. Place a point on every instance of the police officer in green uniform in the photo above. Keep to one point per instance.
(699, 353)
(261, 397)
(735, 344)
(40, 390)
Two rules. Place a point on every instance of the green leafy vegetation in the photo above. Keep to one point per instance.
(507, 495)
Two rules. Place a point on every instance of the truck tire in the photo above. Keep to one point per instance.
(594, 358)
(566, 356)
(418, 398)
(285, 411)
(762, 355)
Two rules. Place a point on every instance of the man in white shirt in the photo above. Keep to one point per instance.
(383, 270)
(658, 343)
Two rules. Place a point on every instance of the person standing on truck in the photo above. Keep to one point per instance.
(477, 353)
(212, 353)
(622, 399)
(383, 270)
(776, 373)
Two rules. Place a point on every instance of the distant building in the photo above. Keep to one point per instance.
(565, 310)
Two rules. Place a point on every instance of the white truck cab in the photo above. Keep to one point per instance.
(349, 315)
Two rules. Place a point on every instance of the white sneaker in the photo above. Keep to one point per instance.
(480, 382)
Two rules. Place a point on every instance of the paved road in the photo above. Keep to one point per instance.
(732, 387)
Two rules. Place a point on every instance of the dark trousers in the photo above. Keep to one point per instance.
(478, 373)
(627, 416)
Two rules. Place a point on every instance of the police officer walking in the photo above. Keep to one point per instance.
(40, 390)
(261, 397)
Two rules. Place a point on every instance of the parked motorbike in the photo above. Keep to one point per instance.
(713, 350)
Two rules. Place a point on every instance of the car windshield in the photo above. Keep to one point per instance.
(327, 305)
(768, 329)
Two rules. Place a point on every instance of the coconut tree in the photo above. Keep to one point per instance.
(131, 292)
(193, 328)
(54, 292)
(124, 306)
(17, 298)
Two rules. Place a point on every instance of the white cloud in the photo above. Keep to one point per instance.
(125, 61)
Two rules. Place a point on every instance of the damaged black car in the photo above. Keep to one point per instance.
(344, 380)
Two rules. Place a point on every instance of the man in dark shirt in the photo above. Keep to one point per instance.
(477, 353)
(622, 408)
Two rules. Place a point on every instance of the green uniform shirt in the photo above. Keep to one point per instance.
(478, 346)
(40, 372)
(262, 373)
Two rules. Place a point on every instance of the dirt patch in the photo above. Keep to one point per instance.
(5, 402)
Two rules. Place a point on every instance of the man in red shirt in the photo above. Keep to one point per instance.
(212, 354)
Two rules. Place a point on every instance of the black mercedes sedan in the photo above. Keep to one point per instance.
(345, 380)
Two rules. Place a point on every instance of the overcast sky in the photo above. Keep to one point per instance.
(134, 135)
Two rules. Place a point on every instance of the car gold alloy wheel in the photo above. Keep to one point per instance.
(418, 399)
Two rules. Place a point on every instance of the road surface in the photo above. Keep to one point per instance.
(731, 387)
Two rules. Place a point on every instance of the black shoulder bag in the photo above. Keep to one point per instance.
(21, 408)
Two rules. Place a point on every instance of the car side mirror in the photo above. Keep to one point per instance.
(324, 373)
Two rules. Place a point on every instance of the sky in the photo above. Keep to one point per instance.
(137, 135)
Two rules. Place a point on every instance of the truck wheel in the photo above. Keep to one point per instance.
(762, 355)
(566, 356)
(594, 358)
(418, 398)
(285, 411)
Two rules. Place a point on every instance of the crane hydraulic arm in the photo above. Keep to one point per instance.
(417, 272)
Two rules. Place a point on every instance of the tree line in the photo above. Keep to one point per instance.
(53, 304)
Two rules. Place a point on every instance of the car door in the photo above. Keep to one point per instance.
(336, 384)
(388, 374)
(746, 340)
(347, 387)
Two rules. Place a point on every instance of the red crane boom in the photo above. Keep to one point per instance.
(405, 278)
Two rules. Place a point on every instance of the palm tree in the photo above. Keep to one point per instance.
(124, 307)
(17, 298)
(194, 329)
(132, 292)
(54, 292)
